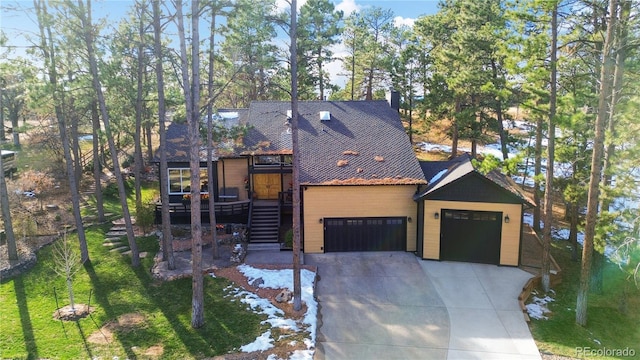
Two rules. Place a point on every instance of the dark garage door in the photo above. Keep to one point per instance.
(364, 234)
(471, 236)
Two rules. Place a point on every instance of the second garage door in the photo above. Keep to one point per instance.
(365, 234)
(470, 236)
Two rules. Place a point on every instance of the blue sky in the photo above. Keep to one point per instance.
(19, 25)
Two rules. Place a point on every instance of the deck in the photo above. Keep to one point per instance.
(226, 212)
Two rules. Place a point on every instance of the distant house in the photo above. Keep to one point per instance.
(8, 162)
(362, 188)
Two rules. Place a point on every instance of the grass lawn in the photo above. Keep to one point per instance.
(109, 283)
(613, 316)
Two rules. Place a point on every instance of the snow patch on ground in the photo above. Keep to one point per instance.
(280, 279)
(538, 309)
(262, 342)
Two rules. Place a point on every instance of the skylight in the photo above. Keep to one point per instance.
(325, 116)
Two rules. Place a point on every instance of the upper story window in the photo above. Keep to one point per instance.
(273, 160)
(180, 180)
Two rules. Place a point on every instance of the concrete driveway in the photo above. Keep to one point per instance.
(392, 305)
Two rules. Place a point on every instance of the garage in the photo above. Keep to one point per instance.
(472, 236)
(365, 234)
(468, 216)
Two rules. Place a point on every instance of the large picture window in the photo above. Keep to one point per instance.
(180, 180)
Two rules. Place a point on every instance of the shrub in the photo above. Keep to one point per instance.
(288, 238)
(145, 216)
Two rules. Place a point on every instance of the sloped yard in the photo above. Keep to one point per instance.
(133, 315)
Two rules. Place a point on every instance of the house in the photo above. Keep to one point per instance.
(362, 187)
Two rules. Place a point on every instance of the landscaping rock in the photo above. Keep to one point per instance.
(238, 254)
(116, 233)
(17, 267)
(120, 249)
(257, 282)
(284, 296)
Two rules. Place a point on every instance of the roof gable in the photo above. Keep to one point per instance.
(457, 180)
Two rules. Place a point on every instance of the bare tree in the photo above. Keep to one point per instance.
(66, 264)
(85, 17)
(167, 241)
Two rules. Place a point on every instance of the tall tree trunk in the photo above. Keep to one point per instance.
(504, 138)
(597, 280)
(6, 217)
(147, 125)
(604, 95)
(537, 171)
(211, 183)
(369, 94)
(573, 232)
(15, 132)
(73, 127)
(167, 240)
(353, 67)
(97, 164)
(320, 75)
(48, 50)
(191, 93)
(548, 193)
(85, 18)
(454, 128)
(297, 287)
(3, 135)
(137, 137)
(74, 140)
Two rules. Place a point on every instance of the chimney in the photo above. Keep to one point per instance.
(393, 97)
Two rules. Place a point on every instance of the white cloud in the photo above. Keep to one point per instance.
(285, 5)
(399, 21)
(348, 6)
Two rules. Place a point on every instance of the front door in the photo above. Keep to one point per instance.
(267, 186)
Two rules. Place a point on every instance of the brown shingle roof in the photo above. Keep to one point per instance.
(177, 146)
(364, 142)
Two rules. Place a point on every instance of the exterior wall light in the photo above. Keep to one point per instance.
(320, 221)
(436, 215)
(409, 219)
(506, 219)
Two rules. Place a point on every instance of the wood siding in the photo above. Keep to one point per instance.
(510, 239)
(356, 201)
(233, 175)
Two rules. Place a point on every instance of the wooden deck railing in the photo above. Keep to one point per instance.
(222, 208)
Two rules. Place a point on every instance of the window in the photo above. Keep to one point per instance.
(180, 180)
(271, 160)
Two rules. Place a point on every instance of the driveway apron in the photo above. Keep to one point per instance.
(392, 305)
(378, 305)
(482, 301)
